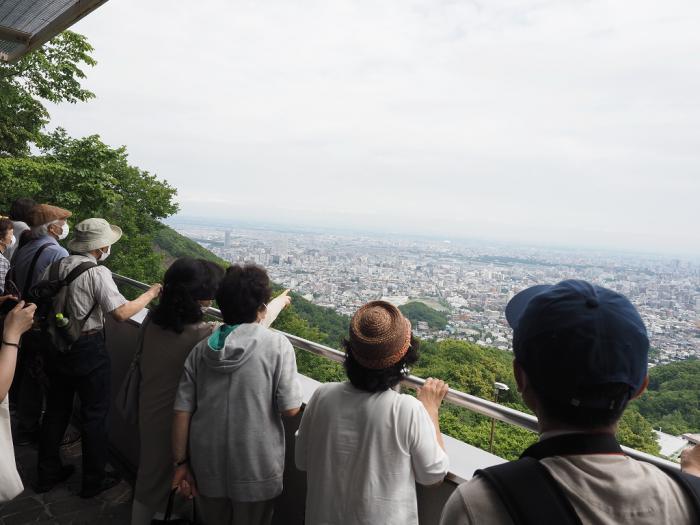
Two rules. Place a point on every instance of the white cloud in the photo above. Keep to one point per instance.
(572, 122)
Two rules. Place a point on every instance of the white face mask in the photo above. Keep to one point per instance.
(104, 255)
(64, 231)
(13, 241)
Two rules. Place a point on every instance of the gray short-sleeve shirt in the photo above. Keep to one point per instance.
(93, 287)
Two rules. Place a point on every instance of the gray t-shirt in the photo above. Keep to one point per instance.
(235, 394)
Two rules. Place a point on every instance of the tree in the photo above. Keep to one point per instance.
(52, 72)
(92, 179)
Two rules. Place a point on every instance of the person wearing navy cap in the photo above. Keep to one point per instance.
(580, 357)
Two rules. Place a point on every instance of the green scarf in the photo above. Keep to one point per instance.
(217, 340)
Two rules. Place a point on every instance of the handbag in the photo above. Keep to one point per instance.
(127, 398)
(10, 482)
(169, 511)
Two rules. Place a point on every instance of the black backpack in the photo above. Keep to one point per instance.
(533, 497)
(51, 297)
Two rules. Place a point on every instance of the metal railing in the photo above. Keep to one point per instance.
(472, 403)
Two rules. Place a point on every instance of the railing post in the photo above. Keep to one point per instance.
(497, 387)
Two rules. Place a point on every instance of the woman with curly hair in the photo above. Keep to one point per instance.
(364, 445)
(228, 436)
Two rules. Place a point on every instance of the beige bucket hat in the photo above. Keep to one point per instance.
(92, 234)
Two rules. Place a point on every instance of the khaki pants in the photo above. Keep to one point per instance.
(223, 511)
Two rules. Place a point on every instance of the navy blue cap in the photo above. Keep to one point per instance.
(573, 337)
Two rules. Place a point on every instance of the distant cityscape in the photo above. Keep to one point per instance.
(469, 282)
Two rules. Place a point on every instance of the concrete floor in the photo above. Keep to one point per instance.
(62, 505)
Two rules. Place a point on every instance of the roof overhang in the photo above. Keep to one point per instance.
(27, 24)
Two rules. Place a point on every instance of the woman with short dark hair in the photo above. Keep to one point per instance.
(228, 437)
(364, 445)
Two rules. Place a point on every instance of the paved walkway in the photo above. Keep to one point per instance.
(62, 505)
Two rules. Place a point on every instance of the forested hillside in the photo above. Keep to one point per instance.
(672, 402)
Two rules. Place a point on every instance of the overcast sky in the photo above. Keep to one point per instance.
(570, 122)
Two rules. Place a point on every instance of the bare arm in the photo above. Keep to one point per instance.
(129, 309)
(291, 412)
(274, 308)
(18, 321)
(182, 478)
(181, 434)
(431, 395)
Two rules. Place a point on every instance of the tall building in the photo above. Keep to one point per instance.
(227, 239)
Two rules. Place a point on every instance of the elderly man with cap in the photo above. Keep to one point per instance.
(85, 369)
(362, 444)
(48, 226)
(580, 358)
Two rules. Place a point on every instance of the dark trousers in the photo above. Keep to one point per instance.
(84, 370)
(29, 385)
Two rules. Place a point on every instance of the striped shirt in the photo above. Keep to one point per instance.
(93, 287)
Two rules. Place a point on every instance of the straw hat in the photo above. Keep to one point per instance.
(379, 335)
(91, 234)
(45, 213)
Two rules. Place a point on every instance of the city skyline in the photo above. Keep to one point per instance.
(469, 282)
(222, 222)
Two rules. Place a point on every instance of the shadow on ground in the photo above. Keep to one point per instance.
(62, 505)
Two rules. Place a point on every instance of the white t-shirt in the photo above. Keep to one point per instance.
(363, 454)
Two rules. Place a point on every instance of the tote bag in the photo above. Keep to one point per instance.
(127, 399)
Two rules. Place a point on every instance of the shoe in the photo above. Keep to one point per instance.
(107, 483)
(71, 436)
(42, 486)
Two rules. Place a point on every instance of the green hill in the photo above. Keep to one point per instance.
(173, 245)
(416, 311)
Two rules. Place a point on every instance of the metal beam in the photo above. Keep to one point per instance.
(13, 35)
(63, 21)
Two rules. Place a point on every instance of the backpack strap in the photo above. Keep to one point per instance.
(529, 493)
(689, 483)
(78, 270)
(32, 266)
(72, 276)
(54, 270)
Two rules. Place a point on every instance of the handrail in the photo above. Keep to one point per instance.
(475, 404)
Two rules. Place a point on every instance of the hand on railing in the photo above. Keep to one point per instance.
(690, 460)
(431, 395)
(155, 290)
